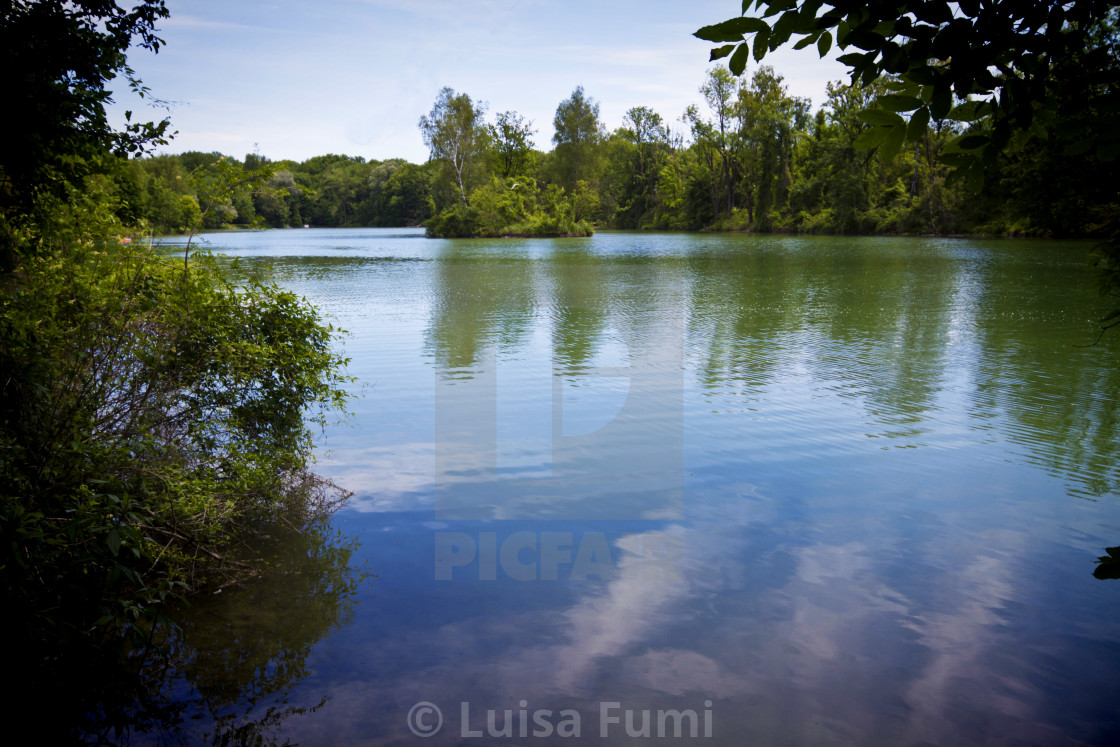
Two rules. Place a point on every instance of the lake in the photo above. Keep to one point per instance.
(760, 490)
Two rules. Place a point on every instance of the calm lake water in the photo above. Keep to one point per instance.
(782, 490)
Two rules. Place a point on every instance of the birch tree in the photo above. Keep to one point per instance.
(456, 134)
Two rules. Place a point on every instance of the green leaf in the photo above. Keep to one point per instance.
(720, 52)
(774, 7)
(783, 28)
(941, 103)
(870, 138)
(972, 142)
(732, 30)
(805, 41)
(896, 102)
(824, 44)
(868, 41)
(1081, 146)
(113, 540)
(738, 61)
(969, 111)
(892, 143)
(1108, 151)
(956, 159)
(760, 41)
(880, 117)
(919, 122)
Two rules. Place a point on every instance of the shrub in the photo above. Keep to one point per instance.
(155, 419)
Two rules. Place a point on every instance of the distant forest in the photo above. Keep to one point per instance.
(749, 157)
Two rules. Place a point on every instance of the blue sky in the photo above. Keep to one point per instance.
(299, 79)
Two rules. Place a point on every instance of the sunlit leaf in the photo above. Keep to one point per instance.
(881, 117)
(870, 138)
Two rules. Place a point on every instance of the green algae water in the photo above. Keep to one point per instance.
(715, 489)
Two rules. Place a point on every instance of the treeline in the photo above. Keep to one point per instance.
(168, 192)
(750, 157)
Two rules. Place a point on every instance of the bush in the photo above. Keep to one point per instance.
(154, 417)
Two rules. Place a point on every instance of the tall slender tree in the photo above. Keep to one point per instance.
(455, 134)
(578, 137)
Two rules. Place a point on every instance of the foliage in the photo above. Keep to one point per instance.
(518, 206)
(456, 135)
(1005, 53)
(58, 57)
(56, 92)
(513, 143)
(752, 158)
(154, 418)
(235, 659)
(578, 136)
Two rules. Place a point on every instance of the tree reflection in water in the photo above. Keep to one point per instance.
(225, 675)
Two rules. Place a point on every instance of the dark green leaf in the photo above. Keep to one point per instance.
(760, 42)
(972, 142)
(805, 41)
(896, 102)
(783, 28)
(919, 122)
(870, 138)
(1081, 146)
(113, 540)
(969, 111)
(868, 41)
(892, 143)
(824, 43)
(731, 30)
(720, 52)
(956, 159)
(774, 7)
(738, 62)
(1108, 151)
(941, 103)
(881, 117)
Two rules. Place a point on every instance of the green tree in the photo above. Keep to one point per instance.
(769, 121)
(645, 130)
(577, 138)
(999, 57)
(58, 58)
(155, 414)
(456, 135)
(715, 137)
(513, 140)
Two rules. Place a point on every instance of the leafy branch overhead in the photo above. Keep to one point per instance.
(986, 65)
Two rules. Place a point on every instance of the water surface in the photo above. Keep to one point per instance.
(820, 491)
